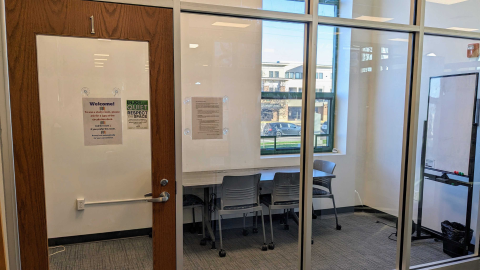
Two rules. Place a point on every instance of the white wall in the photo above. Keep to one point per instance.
(96, 173)
(385, 117)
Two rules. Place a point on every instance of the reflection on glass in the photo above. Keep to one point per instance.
(452, 14)
(258, 65)
(446, 194)
(295, 6)
(392, 11)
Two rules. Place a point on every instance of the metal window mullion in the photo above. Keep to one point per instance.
(451, 33)
(353, 23)
(12, 234)
(243, 12)
(306, 150)
(150, 3)
(292, 17)
(177, 52)
(410, 134)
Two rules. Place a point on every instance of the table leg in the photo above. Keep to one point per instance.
(294, 215)
(206, 200)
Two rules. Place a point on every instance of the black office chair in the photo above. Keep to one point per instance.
(320, 192)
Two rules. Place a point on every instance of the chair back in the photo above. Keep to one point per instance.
(286, 187)
(240, 190)
(324, 166)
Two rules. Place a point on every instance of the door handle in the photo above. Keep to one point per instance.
(164, 196)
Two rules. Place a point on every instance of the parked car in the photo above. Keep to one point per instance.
(281, 129)
(324, 127)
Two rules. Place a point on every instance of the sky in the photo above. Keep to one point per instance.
(283, 41)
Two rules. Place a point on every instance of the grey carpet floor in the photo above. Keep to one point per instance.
(361, 244)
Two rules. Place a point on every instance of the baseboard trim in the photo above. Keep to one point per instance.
(330, 211)
(378, 213)
(97, 237)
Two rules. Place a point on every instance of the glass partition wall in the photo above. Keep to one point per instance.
(356, 212)
(292, 118)
(445, 206)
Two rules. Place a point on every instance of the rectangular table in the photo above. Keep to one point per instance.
(212, 179)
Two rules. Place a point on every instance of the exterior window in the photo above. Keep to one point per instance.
(281, 102)
(281, 122)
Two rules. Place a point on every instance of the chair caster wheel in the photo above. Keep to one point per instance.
(222, 253)
(314, 216)
(271, 246)
(312, 241)
(255, 230)
(339, 227)
(245, 232)
(286, 227)
(203, 242)
(264, 247)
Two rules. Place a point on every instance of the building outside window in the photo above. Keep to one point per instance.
(281, 108)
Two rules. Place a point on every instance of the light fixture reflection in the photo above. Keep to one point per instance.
(373, 19)
(226, 24)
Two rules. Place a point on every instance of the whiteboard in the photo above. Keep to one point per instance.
(450, 118)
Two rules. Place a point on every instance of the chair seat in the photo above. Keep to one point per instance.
(236, 207)
(267, 200)
(320, 192)
(191, 200)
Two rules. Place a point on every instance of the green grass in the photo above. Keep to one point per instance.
(288, 144)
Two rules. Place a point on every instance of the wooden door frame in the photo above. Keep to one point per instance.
(27, 18)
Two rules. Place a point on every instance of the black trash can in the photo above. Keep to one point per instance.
(454, 238)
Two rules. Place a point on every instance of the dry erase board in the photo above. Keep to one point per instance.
(450, 119)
